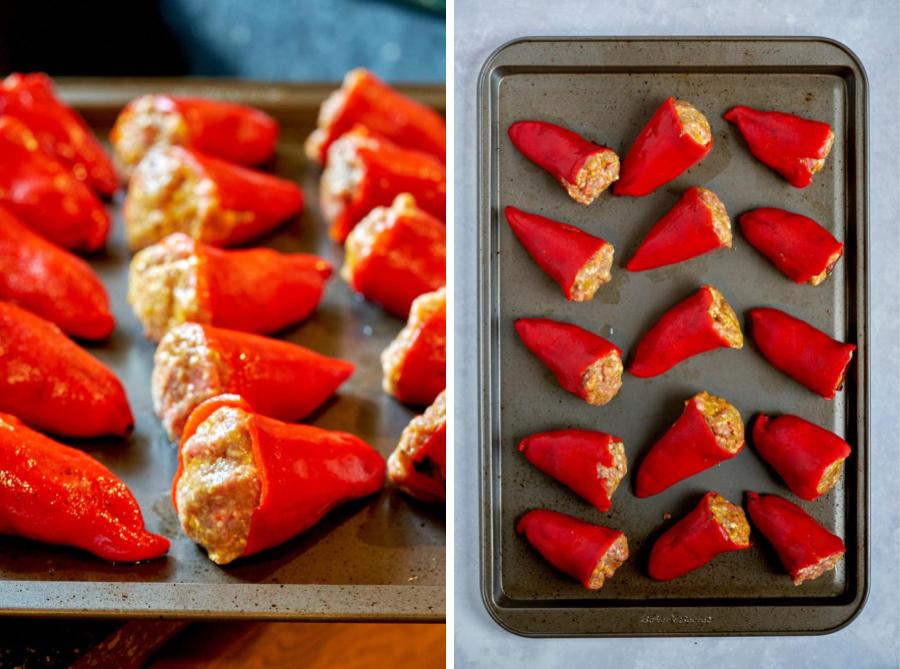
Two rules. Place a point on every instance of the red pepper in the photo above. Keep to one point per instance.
(803, 250)
(51, 283)
(794, 147)
(367, 171)
(252, 290)
(708, 432)
(580, 263)
(584, 363)
(178, 190)
(53, 384)
(700, 323)
(60, 495)
(806, 549)
(809, 458)
(583, 168)
(697, 224)
(414, 364)
(366, 100)
(302, 471)
(804, 353)
(713, 527)
(194, 362)
(231, 132)
(61, 132)
(418, 466)
(590, 463)
(396, 254)
(676, 138)
(587, 552)
(44, 195)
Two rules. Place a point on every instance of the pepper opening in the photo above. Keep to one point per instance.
(609, 562)
(721, 222)
(830, 476)
(731, 519)
(594, 273)
(816, 569)
(816, 164)
(401, 465)
(723, 419)
(151, 120)
(423, 308)
(613, 475)
(693, 123)
(599, 171)
(602, 379)
(725, 321)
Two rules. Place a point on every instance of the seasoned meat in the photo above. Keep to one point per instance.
(723, 419)
(602, 379)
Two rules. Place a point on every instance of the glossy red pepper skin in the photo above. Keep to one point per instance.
(422, 373)
(799, 451)
(566, 349)
(561, 250)
(51, 283)
(686, 231)
(661, 152)
(580, 459)
(304, 471)
(42, 193)
(367, 101)
(800, 248)
(691, 543)
(804, 353)
(407, 257)
(789, 144)
(685, 330)
(61, 132)
(386, 171)
(796, 536)
(420, 468)
(60, 495)
(571, 545)
(687, 448)
(52, 384)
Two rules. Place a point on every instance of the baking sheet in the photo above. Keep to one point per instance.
(607, 89)
(377, 558)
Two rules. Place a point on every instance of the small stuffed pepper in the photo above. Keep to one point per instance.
(246, 482)
(793, 146)
(806, 549)
(195, 362)
(703, 322)
(418, 466)
(396, 254)
(366, 171)
(809, 458)
(697, 224)
(44, 195)
(174, 189)
(708, 432)
(231, 132)
(54, 385)
(61, 132)
(253, 290)
(61, 495)
(804, 353)
(591, 463)
(415, 363)
(51, 283)
(583, 168)
(580, 263)
(715, 526)
(800, 248)
(367, 101)
(588, 553)
(676, 138)
(584, 363)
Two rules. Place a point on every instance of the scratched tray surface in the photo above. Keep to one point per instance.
(381, 557)
(607, 90)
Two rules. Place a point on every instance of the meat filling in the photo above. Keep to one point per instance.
(816, 164)
(423, 309)
(612, 476)
(815, 570)
(186, 371)
(151, 121)
(832, 261)
(329, 111)
(830, 476)
(725, 321)
(219, 487)
(602, 379)
(420, 429)
(343, 175)
(611, 560)
(693, 123)
(721, 222)
(596, 272)
(598, 172)
(731, 518)
(365, 234)
(723, 419)
(166, 287)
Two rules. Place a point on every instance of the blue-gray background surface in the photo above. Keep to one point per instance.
(872, 30)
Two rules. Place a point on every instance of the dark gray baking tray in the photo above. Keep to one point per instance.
(607, 89)
(379, 558)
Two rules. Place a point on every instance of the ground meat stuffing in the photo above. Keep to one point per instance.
(723, 419)
(602, 379)
(725, 320)
(423, 309)
(815, 570)
(596, 272)
(816, 164)
(720, 220)
(329, 111)
(731, 518)
(693, 123)
(611, 560)
(344, 173)
(830, 476)
(612, 476)
(186, 371)
(400, 463)
(832, 261)
(152, 120)
(219, 488)
(362, 238)
(598, 172)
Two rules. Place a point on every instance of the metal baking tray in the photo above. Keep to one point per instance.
(377, 558)
(607, 89)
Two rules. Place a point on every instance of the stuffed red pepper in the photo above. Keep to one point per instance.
(418, 466)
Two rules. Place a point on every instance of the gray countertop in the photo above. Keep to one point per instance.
(872, 30)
